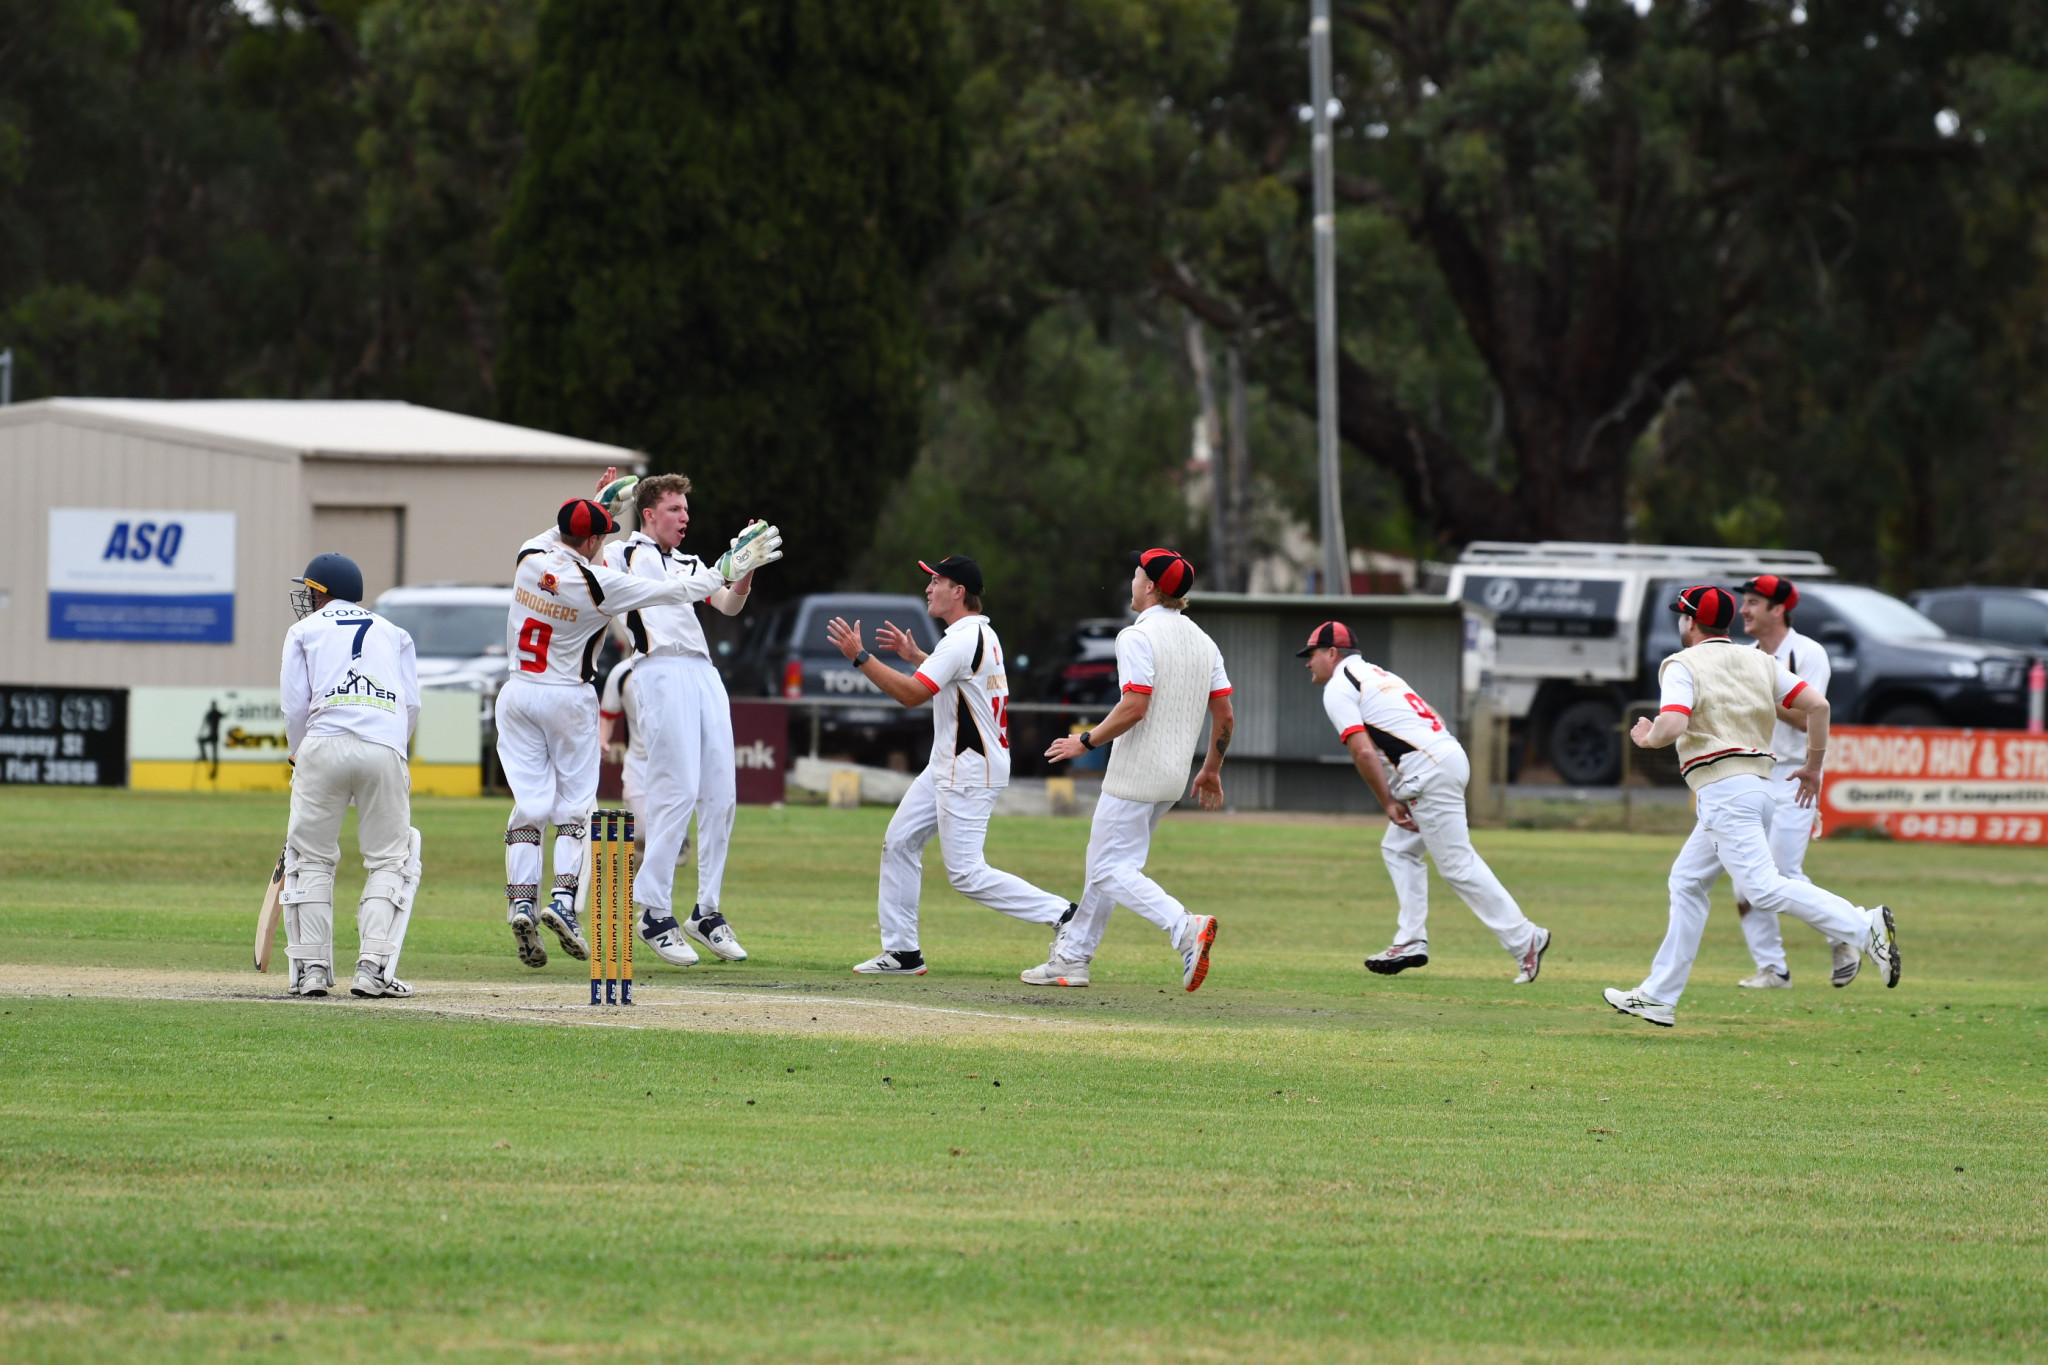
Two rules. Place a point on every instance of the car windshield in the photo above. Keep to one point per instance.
(450, 630)
(1879, 614)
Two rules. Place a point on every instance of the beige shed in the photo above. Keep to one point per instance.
(153, 540)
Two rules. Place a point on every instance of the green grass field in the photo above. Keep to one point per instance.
(1300, 1162)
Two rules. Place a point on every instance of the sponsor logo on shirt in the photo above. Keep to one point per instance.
(360, 689)
(547, 584)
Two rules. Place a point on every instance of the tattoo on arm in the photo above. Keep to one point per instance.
(1221, 739)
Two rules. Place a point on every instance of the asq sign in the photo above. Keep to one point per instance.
(120, 574)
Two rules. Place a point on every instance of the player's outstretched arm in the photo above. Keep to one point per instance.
(1366, 759)
(1128, 711)
(846, 639)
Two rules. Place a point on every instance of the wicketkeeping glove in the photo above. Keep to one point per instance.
(758, 544)
(618, 494)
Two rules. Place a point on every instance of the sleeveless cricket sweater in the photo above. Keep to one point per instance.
(1151, 760)
(1734, 708)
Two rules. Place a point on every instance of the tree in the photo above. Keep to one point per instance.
(714, 249)
(1565, 211)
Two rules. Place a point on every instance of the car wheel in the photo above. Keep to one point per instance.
(1910, 713)
(1585, 743)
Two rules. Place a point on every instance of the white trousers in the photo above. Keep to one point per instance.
(959, 816)
(1119, 842)
(686, 726)
(1733, 833)
(330, 772)
(547, 745)
(1791, 831)
(1435, 793)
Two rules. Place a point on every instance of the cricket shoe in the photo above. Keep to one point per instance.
(526, 934)
(1055, 973)
(907, 963)
(1399, 957)
(1532, 960)
(1769, 979)
(665, 936)
(1197, 936)
(560, 916)
(1884, 944)
(711, 930)
(1848, 962)
(372, 984)
(1059, 934)
(311, 979)
(1642, 1006)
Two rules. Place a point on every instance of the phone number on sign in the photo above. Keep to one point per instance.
(1990, 829)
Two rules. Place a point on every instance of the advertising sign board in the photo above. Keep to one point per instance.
(120, 574)
(1961, 786)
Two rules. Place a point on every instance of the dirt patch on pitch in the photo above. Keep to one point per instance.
(656, 1004)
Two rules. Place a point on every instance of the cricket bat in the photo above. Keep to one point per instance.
(269, 915)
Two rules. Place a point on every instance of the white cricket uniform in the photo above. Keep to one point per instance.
(547, 710)
(1794, 825)
(1428, 770)
(351, 699)
(1120, 835)
(1735, 817)
(955, 794)
(684, 719)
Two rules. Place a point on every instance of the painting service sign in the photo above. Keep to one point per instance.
(120, 574)
(1962, 786)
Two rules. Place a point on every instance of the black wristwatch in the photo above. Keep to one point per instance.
(861, 658)
(1087, 741)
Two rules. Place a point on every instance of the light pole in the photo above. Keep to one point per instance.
(1336, 561)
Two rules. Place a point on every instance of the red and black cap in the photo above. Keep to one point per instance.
(1169, 571)
(1779, 592)
(580, 518)
(1712, 609)
(1328, 635)
(959, 568)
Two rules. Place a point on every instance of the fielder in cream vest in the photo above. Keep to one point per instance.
(1718, 705)
(1172, 678)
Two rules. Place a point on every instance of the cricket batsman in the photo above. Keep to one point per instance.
(1171, 676)
(1718, 702)
(351, 699)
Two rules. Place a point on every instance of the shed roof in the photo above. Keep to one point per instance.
(323, 429)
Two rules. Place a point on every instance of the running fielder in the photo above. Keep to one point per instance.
(684, 718)
(351, 699)
(1171, 676)
(563, 597)
(1718, 704)
(1767, 605)
(1384, 723)
(970, 765)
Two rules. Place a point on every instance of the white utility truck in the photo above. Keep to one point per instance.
(1580, 629)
